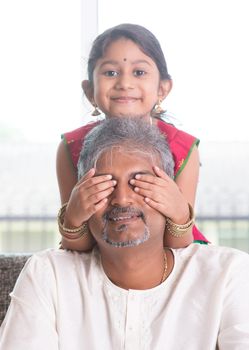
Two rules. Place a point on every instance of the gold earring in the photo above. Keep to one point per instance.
(95, 111)
(157, 110)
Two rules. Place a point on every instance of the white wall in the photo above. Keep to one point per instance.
(206, 47)
(40, 67)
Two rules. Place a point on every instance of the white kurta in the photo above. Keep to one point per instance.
(64, 300)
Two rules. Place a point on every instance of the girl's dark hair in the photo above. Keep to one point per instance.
(141, 36)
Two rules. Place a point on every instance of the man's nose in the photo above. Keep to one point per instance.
(122, 195)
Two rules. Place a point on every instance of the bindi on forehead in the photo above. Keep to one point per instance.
(125, 59)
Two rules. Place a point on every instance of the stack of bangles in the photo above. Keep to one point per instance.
(177, 230)
(68, 233)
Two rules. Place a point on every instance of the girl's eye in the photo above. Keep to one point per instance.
(139, 72)
(111, 73)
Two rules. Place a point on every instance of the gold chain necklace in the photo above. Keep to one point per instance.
(165, 268)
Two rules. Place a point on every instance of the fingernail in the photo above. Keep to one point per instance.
(132, 181)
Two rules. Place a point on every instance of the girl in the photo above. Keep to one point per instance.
(127, 76)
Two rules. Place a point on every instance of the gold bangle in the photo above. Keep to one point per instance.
(177, 230)
(69, 233)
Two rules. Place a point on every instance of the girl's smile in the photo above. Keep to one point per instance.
(124, 99)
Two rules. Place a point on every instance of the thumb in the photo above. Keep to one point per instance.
(87, 176)
(160, 173)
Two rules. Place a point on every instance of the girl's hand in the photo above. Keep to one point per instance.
(162, 193)
(88, 195)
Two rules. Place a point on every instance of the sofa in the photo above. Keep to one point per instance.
(10, 267)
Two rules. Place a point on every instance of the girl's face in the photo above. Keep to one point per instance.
(126, 82)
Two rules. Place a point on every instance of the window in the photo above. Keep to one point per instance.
(44, 52)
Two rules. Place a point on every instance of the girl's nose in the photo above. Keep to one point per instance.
(124, 82)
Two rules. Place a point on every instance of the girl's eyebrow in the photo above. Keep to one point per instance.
(141, 61)
(111, 62)
(115, 63)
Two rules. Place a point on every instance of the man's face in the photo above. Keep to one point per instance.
(126, 220)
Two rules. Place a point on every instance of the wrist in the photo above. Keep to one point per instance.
(181, 217)
(180, 230)
(68, 232)
(70, 222)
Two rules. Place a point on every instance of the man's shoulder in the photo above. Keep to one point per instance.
(214, 257)
(58, 259)
(219, 251)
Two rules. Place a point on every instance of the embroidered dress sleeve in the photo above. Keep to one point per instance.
(180, 143)
(73, 142)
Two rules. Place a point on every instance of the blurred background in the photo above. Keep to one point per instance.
(44, 49)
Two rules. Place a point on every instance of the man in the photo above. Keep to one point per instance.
(130, 292)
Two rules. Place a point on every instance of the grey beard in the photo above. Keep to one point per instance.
(129, 243)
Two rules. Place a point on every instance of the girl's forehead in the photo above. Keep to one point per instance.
(124, 49)
(120, 42)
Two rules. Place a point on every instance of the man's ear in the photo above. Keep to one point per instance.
(165, 87)
(88, 90)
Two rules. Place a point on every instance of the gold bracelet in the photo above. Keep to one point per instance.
(177, 230)
(69, 233)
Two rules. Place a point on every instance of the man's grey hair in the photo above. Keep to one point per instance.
(133, 135)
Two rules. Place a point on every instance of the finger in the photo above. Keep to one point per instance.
(90, 182)
(160, 173)
(99, 187)
(144, 177)
(101, 204)
(95, 207)
(97, 197)
(150, 182)
(151, 185)
(87, 175)
(155, 205)
(155, 196)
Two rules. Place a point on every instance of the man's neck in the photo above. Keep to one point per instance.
(133, 269)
